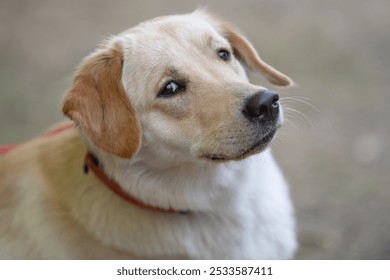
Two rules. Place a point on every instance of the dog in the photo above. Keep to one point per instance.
(166, 155)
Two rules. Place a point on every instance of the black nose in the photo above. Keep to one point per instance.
(263, 105)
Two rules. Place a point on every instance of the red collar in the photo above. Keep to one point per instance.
(91, 162)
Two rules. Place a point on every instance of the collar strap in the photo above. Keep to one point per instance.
(91, 162)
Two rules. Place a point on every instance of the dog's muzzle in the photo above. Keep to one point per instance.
(262, 111)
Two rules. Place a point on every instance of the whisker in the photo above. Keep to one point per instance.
(299, 99)
(290, 122)
(292, 113)
(299, 115)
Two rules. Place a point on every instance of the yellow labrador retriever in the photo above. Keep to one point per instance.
(168, 157)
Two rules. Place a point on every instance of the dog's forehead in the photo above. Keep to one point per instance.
(184, 24)
(162, 34)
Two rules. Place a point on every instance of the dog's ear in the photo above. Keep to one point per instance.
(247, 54)
(99, 104)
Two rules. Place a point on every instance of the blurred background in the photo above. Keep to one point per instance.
(334, 148)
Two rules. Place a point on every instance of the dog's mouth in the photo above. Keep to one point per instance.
(256, 148)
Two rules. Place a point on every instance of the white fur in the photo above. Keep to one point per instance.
(239, 210)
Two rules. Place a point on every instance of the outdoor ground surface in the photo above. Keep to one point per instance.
(335, 152)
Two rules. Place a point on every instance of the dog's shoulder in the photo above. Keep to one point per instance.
(28, 172)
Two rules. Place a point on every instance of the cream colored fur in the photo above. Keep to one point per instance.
(159, 150)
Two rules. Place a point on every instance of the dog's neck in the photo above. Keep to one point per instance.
(92, 164)
(179, 186)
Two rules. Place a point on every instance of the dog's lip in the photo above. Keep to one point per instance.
(258, 146)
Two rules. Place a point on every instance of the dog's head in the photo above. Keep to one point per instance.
(176, 87)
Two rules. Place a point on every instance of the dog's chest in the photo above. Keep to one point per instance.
(245, 234)
(253, 224)
(243, 215)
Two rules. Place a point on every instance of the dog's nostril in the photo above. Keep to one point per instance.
(275, 102)
(262, 105)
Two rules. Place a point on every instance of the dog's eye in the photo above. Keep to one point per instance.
(224, 55)
(170, 89)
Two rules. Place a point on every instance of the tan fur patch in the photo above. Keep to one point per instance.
(97, 101)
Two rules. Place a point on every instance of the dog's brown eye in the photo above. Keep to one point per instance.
(224, 55)
(170, 89)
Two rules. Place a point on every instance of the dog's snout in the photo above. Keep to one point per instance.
(263, 105)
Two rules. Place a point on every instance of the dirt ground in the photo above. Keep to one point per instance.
(334, 151)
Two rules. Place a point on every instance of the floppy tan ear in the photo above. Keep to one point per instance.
(245, 52)
(99, 104)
